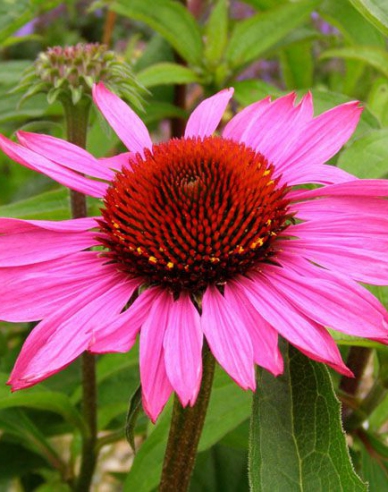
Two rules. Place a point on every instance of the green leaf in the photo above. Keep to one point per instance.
(166, 73)
(15, 460)
(367, 157)
(42, 400)
(378, 100)
(12, 70)
(216, 32)
(52, 205)
(170, 19)
(229, 406)
(17, 424)
(220, 469)
(49, 206)
(375, 11)
(159, 110)
(373, 472)
(133, 413)
(251, 90)
(297, 442)
(350, 23)
(14, 14)
(253, 36)
(297, 65)
(375, 57)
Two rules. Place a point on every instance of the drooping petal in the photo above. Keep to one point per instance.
(329, 303)
(124, 121)
(64, 153)
(362, 264)
(156, 387)
(264, 338)
(306, 269)
(306, 335)
(33, 292)
(183, 349)
(62, 175)
(59, 339)
(206, 117)
(120, 334)
(31, 243)
(228, 338)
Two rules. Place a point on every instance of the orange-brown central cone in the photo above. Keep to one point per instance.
(193, 213)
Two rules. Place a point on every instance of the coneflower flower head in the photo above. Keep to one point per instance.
(70, 72)
(209, 237)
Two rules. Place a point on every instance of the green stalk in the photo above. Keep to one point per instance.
(77, 124)
(185, 432)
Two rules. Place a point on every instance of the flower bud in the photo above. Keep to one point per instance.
(68, 74)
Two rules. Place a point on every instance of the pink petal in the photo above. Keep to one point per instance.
(120, 334)
(328, 208)
(183, 349)
(322, 138)
(306, 269)
(33, 292)
(65, 154)
(321, 174)
(118, 162)
(364, 265)
(32, 244)
(359, 187)
(342, 227)
(268, 132)
(155, 384)
(329, 303)
(58, 340)
(124, 121)
(306, 335)
(240, 126)
(264, 338)
(9, 225)
(283, 142)
(62, 175)
(228, 338)
(206, 117)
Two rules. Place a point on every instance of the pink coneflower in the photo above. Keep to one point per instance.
(203, 236)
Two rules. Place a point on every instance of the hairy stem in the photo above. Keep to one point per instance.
(76, 125)
(185, 432)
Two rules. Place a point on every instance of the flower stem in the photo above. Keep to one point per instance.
(76, 124)
(185, 432)
(357, 361)
(89, 400)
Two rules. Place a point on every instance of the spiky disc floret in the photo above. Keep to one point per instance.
(71, 71)
(193, 212)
